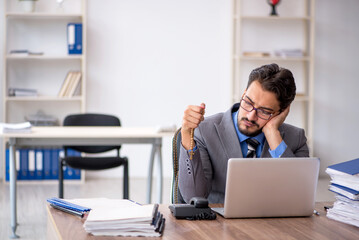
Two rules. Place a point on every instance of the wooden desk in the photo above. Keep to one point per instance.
(64, 226)
(58, 136)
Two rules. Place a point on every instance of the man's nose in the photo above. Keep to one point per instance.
(252, 115)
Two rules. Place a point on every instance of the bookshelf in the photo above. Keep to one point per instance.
(42, 31)
(256, 38)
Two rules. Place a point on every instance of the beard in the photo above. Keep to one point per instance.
(245, 129)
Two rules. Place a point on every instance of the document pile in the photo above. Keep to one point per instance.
(24, 127)
(119, 217)
(345, 183)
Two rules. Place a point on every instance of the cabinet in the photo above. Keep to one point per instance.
(257, 37)
(45, 31)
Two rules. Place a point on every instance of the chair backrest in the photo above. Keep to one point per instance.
(91, 119)
(176, 144)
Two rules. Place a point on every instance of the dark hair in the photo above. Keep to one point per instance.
(274, 79)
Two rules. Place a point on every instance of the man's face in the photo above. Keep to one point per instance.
(248, 122)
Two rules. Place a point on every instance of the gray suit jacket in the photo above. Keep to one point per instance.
(217, 141)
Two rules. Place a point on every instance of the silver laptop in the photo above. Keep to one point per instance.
(270, 187)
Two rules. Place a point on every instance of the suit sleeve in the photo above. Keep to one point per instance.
(296, 144)
(194, 175)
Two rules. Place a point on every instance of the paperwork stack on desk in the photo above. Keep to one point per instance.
(345, 183)
(110, 217)
(15, 127)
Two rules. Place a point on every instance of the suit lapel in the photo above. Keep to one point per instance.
(228, 136)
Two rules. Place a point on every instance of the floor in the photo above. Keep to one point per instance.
(32, 199)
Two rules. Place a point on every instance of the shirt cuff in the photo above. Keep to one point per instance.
(277, 153)
(194, 149)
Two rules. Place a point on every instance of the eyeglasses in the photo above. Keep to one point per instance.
(261, 113)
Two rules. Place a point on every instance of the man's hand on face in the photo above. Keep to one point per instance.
(277, 120)
(270, 130)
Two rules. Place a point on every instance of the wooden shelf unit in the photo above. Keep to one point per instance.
(254, 30)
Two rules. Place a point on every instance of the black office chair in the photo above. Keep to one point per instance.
(176, 196)
(93, 162)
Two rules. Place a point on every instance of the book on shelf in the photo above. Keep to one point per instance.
(345, 184)
(256, 54)
(288, 52)
(24, 52)
(71, 83)
(75, 81)
(65, 84)
(22, 92)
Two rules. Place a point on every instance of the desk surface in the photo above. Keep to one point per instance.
(89, 132)
(64, 226)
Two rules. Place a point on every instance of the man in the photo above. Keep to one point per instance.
(260, 115)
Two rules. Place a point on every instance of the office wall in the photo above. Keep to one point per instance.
(336, 127)
(147, 60)
(168, 54)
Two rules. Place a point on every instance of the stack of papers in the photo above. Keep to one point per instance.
(118, 217)
(345, 183)
(24, 127)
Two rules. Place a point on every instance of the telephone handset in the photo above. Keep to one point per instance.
(197, 210)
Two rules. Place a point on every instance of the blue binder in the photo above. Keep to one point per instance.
(349, 167)
(39, 161)
(7, 165)
(24, 164)
(32, 164)
(47, 164)
(55, 163)
(344, 191)
(69, 172)
(74, 38)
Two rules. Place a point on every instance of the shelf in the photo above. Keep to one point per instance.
(257, 36)
(42, 98)
(44, 57)
(37, 15)
(269, 18)
(301, 98)
(274, 58)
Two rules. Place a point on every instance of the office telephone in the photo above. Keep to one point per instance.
(197, 210)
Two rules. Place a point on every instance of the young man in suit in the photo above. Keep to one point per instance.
(259, 116)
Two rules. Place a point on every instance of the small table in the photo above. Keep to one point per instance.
(57, 136)
(61, 225)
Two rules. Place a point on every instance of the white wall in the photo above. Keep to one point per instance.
(147, 60)
(336, 127)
